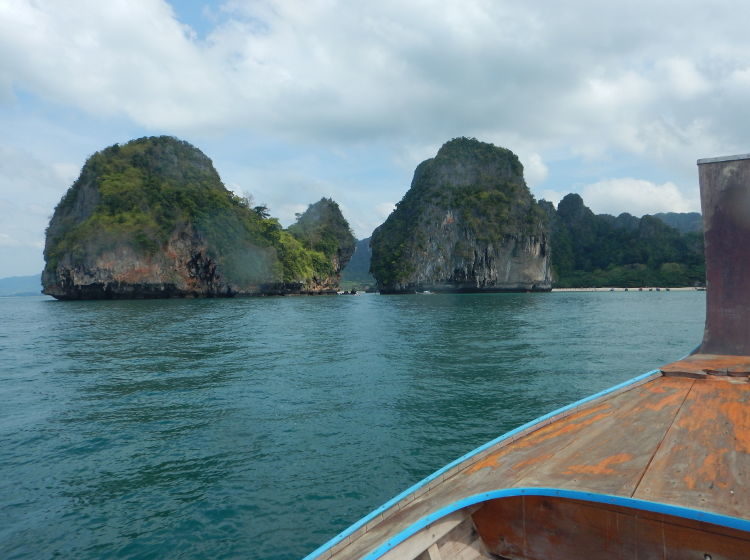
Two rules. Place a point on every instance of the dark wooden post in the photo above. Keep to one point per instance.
(725, 199)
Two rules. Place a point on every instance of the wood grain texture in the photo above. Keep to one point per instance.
(430, 535)
(543, 528)
(704, 462)
(611, 455)
(703, 364)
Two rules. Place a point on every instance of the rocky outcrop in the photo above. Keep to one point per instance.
(152, 218)
(468, 223)
(184, 268)
(322, 228)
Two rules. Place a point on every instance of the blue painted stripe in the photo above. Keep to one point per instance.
(632, 503)
(362, 522)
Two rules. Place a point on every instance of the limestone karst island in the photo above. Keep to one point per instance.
(152, 218)
(468, 223)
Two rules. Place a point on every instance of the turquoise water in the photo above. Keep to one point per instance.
(259, 428)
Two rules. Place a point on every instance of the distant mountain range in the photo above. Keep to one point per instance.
(590, 250)
(21, 285)
(357, 272)
(685, 222)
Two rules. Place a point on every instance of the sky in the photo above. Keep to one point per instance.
(295, 100)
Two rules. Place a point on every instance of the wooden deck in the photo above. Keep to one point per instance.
(681, 437)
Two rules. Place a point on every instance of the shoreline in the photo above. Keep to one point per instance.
(643, 289)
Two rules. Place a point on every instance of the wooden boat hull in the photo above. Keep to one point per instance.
(542, 527)
(546, 523)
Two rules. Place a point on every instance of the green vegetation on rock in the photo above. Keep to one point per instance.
(591, 250)
(323, 229)
(160, 203)
(467, 215)
(470, 201)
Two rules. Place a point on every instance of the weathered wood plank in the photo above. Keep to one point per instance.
(725, 188)
(702, 364)
(611, 454)
(458, 539)
(420, 542)
(433, 552)
(474, 551)
(637, 412)
(704, 462)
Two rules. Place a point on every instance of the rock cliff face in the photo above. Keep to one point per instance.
(468, 223)
(152, 218)
(183, 267)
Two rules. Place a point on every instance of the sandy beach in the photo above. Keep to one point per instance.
(644, 289)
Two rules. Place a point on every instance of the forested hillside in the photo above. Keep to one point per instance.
(602, 250)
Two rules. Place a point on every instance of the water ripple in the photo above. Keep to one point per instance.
(260, 428)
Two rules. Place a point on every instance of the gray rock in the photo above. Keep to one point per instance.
(467, 224)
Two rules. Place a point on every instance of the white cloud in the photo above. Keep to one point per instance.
(112, 58)
(287, 213)
(8, 241)
(29, 191)
(67, 172)
(551, 196)
(683, 77)
(740, 78)
(580, 86)
(588, 75)
(637, 197)
(534, 169)
(384, 209)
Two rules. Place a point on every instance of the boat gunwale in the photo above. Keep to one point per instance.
(726, 521)
(466, 461)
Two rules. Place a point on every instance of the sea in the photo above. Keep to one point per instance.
(259, 428)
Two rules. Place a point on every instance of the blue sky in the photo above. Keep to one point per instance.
(298, 99)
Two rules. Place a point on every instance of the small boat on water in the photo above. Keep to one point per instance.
(656, 467)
